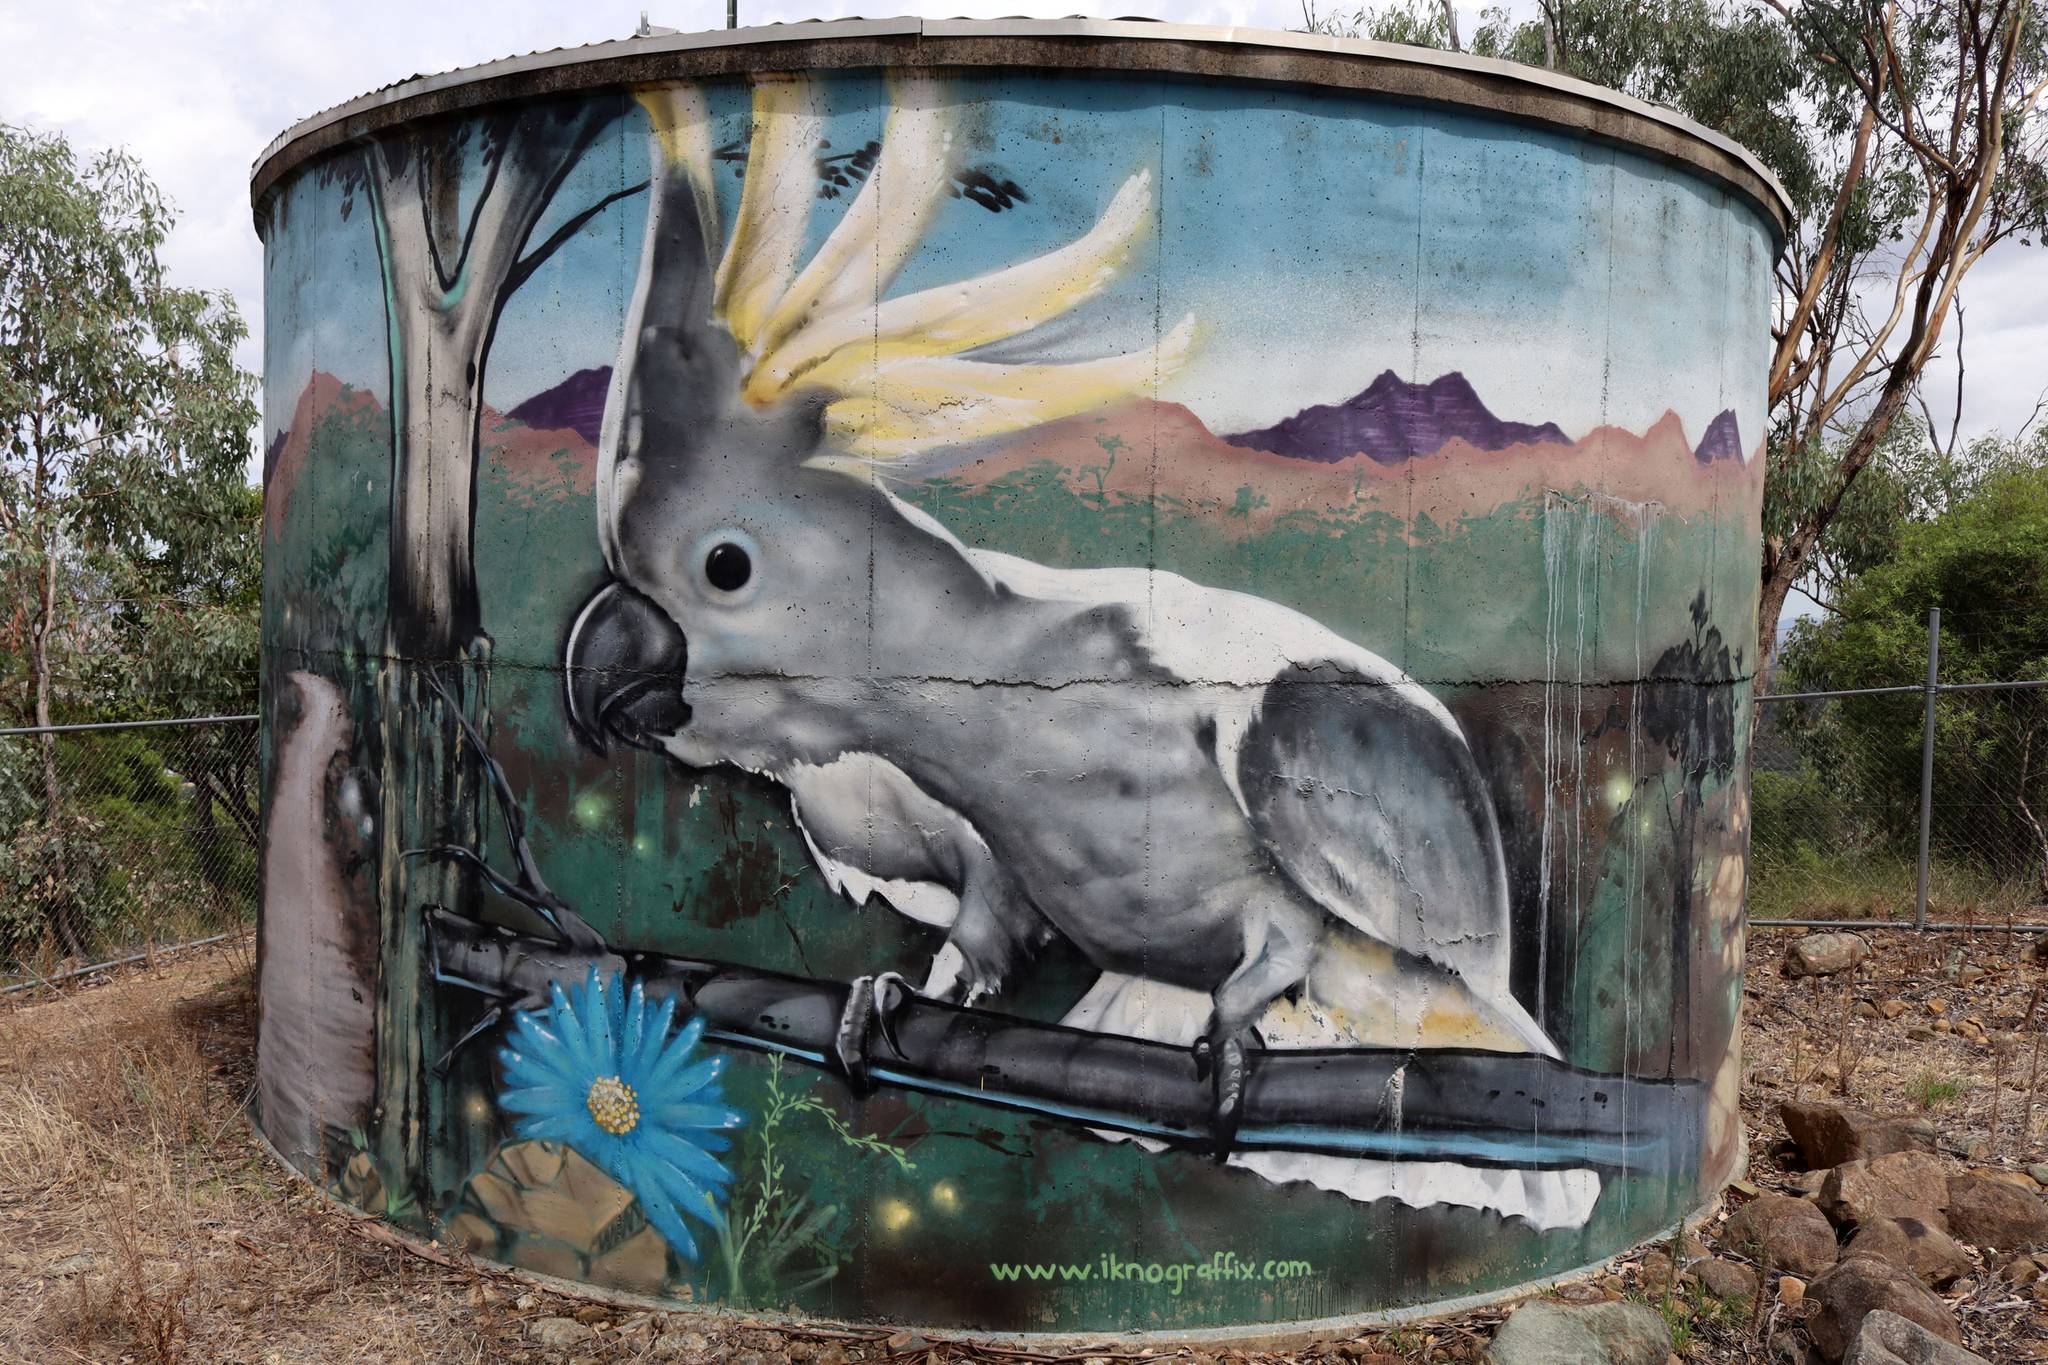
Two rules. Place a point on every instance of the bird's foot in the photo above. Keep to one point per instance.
(872, 1006)
(1224, 1060)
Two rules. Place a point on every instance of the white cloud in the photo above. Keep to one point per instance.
(2004, 345)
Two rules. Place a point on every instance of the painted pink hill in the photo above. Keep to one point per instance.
(537, 461)
(286, 456)
(1144, 448)
(1164, 449)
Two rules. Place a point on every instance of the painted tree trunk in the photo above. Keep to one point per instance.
(441, 320)
(436, 363)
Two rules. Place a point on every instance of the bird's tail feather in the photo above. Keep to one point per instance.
(1136, 1007)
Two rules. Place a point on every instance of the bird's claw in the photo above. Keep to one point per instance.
(1225, 1064)
(872, 1006)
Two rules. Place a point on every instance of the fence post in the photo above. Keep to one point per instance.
(1930, 691)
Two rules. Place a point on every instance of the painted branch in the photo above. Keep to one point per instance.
(1478, 1108)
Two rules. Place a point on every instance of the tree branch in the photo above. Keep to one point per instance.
(1478, 1108)
(522, 269)
(1817, 276)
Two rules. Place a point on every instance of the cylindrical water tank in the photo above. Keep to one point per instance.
(1035, 677)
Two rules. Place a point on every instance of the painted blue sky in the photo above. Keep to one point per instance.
(1318, 237)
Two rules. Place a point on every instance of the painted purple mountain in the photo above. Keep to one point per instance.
(576, 404)
(1722, 441)
(1393, 421)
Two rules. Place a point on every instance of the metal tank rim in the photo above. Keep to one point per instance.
(1409, 74)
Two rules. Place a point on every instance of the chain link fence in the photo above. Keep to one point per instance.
(119, 839)
(1863, 810)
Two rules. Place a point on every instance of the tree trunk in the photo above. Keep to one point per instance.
(429, 798)
(1777, 588)
(433, 627)
(62, 903)
(438, 341)
(1785, 560)
(2027, 812)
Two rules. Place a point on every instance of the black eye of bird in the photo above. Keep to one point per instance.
(727, 567)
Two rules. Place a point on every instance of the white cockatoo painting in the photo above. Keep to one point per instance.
(1262, 835)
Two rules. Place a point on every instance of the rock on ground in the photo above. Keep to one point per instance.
(1987, 1212)
(560, 1333)
(1932, 1255)
(1824, 954)
(687, 1346)
(1862, 1285)
(1550, 1333)
(1829, 1134)
(1725, 1279)
(1898, 1185)
(1888, 1339)
(1782, 1233)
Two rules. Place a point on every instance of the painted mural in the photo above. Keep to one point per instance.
(1030, 703)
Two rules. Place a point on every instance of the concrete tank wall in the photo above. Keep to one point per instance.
(1006, 694)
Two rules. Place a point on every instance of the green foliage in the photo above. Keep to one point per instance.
(1909, 480)
(129, 553)
(779, 1240)
(138, 849)
(1418, 23)
(1902, 482)
(1930, 1091)
(1795, 816)
(1984, 561)
(124, 449)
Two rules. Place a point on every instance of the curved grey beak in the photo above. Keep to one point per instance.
(623, 670)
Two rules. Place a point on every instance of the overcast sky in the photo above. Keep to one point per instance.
(196, 88)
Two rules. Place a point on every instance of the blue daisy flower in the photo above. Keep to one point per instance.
(599, 1071)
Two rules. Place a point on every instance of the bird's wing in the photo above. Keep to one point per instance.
(869, 829)
(1371, 802)
(926, 902)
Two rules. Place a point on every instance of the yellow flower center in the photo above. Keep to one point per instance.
(613, 1105)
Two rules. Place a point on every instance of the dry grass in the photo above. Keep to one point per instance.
(140, 1221)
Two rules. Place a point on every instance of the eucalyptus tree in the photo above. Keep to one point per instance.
(1937, 156)
(127, 526)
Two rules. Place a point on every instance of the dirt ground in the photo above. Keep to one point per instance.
(140, 1220)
